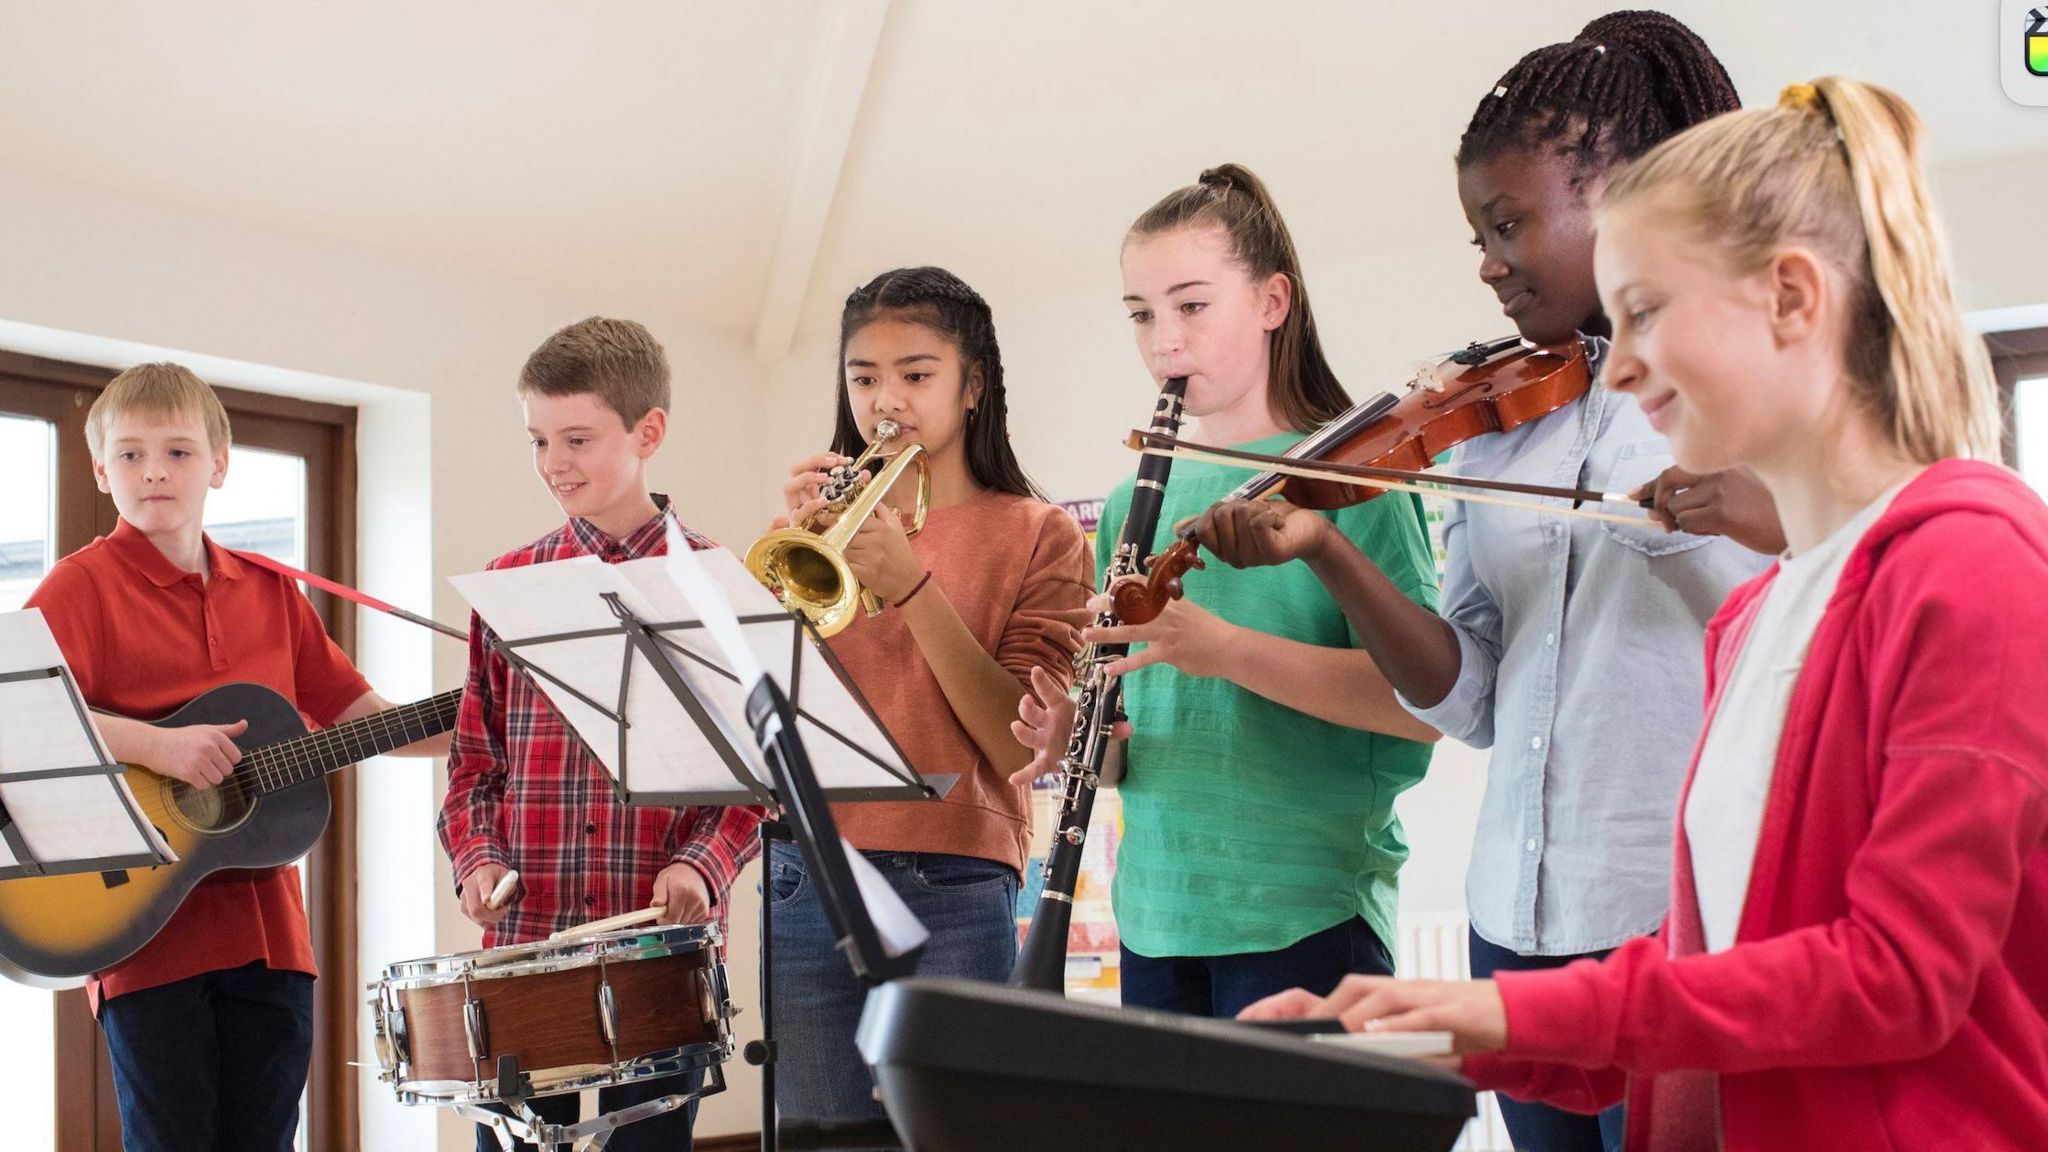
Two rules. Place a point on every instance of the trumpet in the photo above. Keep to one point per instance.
(806, 568)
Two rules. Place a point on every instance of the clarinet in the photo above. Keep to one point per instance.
(1042, 961)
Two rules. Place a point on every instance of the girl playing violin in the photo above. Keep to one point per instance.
(1570, 647)
(1859, 903)
(1260, 845)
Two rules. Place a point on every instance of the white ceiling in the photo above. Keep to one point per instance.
(750, 163)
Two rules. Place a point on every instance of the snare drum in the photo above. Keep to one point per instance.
(582, 1013)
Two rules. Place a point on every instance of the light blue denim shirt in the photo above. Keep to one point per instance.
(1581, 645)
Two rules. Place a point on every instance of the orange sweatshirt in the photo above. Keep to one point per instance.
(1018, 574)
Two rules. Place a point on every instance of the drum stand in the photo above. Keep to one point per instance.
(762, 1052)
(583, 1136)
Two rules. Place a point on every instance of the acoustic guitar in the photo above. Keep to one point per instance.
(57, 930)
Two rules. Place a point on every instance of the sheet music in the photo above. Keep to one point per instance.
(665, 751)
(712, 603)
(896, 926)
(68, 818)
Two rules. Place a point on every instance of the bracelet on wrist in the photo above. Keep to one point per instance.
(915, 588)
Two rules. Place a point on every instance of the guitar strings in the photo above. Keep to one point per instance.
(299, 759)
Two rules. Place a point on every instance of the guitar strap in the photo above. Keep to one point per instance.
(346, 592)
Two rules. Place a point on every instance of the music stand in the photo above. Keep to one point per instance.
(65, 806)
(880, 937)
(660, 684)
(605, 643)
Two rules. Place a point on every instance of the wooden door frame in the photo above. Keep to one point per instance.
(2015, 356)
(325, 435)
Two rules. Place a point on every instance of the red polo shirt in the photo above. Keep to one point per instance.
(143, 638)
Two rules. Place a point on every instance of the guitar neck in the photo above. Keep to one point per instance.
(309, 757)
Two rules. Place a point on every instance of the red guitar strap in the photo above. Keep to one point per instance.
(346, 593)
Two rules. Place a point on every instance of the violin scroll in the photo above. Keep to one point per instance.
(1141, 603)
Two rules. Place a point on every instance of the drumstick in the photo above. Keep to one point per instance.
(623, 920)
(499, 894)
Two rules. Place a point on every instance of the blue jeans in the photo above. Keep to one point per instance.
(668, 1132)
(1539, 1127)
(1222, 986)
(212, 1063)
(970, 908)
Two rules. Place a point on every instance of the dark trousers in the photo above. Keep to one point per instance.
(668, 1132)
(213, 1063)
(1222, 986)
(1539, 1127)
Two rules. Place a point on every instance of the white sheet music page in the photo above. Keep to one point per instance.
(896, 925)
(714, 604)
(68, 817)
(666, 750)
(848, 749)
(713, 598)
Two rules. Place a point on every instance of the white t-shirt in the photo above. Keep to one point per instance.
(1724, 812)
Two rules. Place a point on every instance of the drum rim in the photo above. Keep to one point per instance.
(623, 945)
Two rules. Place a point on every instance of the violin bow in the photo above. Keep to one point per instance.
(1397, 479)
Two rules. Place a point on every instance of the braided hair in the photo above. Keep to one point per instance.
(936, 299)
(1627, 81)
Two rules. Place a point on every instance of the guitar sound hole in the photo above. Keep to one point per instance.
(215, 809)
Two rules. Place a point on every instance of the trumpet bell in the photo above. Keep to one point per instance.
(807, 576)
(807, 569)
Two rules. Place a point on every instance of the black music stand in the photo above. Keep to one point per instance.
(675, 692)
(607, 644)
(64, 806)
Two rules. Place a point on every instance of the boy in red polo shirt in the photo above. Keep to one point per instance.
(211, 1024)
(523, 793)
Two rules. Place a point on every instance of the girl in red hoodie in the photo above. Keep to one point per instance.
(1857, 950)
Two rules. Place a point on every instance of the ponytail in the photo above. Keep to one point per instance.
(1836, 167)
(1943, 398)
(1301, 389)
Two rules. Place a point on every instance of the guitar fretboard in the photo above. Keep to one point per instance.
(309, 757)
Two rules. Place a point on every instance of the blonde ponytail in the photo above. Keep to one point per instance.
(1836, 166)
(1944, 401)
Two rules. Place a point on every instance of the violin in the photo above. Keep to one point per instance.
(1483, 388)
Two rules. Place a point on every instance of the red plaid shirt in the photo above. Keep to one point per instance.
(524, 793)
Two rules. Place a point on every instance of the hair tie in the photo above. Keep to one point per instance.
(1600, 48)
(1802, 98)
(1809, 99)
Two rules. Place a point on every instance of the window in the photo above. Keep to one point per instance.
(2020, 362)
(28, 544)
(2030, 429)
(290, 494)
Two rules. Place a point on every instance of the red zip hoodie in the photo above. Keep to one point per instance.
(1890, 973)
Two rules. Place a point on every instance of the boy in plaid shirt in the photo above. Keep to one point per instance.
(523, 793)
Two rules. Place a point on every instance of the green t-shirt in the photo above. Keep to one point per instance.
(1248, 826)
